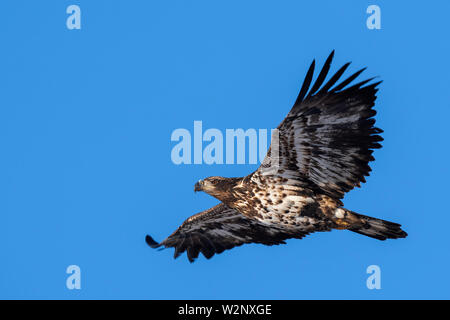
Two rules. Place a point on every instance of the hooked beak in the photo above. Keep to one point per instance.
(197, 187)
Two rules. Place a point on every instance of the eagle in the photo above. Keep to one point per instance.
(322, 150)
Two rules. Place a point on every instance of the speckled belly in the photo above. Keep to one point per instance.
(291, 210)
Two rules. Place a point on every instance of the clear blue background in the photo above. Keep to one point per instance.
(85, 123)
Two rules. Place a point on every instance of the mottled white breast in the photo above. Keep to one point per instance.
(285, 209)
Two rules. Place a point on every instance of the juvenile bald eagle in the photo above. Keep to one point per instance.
(323, 150)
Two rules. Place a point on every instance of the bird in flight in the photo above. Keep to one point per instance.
(320, 151)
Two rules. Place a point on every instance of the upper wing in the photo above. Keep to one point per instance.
(325, 143)
(218, 229)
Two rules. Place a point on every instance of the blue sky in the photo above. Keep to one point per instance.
(85, 123)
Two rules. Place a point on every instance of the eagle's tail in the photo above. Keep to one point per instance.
(377, 228)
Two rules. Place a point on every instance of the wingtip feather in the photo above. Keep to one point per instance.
(306, 83)
(152, 243)
(322, 75)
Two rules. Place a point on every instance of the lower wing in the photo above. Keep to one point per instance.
(218, 229)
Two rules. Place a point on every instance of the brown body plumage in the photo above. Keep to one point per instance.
(321, 151)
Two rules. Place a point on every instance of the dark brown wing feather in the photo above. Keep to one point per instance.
(220, 228)
(327, 139)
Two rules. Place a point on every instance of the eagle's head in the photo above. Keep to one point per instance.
(211, 184)
(216, 186)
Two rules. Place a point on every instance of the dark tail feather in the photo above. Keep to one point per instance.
(378, 229)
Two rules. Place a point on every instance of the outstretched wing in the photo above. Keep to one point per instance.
(326, 141)
(220, 228)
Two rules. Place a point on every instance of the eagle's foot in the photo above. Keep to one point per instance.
(341, 224)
